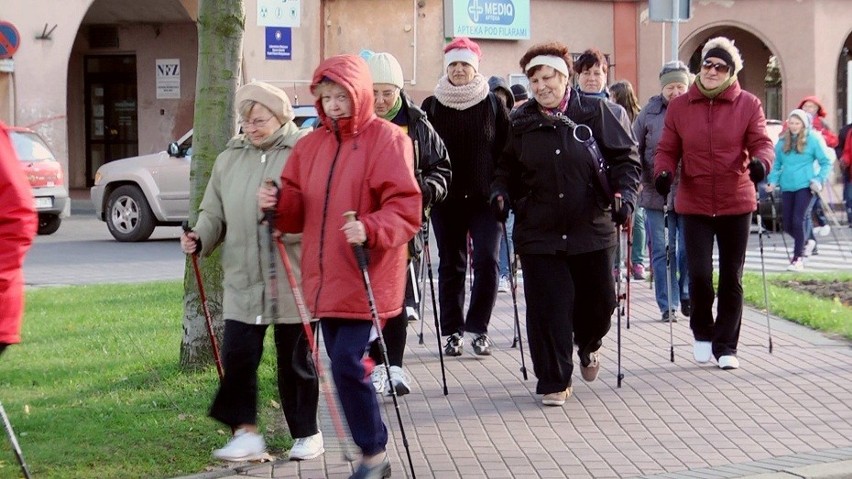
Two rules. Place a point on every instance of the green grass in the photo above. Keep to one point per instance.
(818, 313)
(95, 389)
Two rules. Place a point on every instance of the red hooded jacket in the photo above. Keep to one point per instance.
(364, 164)
(716, 139)
(18, 222)
(831, 139)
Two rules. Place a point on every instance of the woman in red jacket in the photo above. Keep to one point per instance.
(717, 133)
(18, 223)
(358, 162)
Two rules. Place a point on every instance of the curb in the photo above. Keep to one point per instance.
(831, 470)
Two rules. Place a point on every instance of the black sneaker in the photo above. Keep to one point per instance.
(669, 318)
(686, 307)
(455, 345)
(482, 345)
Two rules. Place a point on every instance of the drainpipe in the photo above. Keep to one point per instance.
(414, 44)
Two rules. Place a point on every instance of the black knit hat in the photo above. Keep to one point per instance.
(520, 92)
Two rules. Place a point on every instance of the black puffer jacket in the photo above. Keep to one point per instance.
(550, 177)
(431, 161)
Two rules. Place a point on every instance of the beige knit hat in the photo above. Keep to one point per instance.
(384, 68)
(273, 98)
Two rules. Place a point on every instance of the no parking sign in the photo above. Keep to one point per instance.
(10, 39)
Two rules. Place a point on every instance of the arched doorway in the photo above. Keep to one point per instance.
(844, 84)
(131, 81)
(761, 74)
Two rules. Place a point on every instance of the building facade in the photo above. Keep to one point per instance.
(106, 79)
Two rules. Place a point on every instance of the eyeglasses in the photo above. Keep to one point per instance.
(256, 123)
(719, 67)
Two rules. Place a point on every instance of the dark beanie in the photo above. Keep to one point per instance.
(722, 54)
(519, 92)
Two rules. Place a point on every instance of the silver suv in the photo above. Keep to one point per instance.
(135, 195)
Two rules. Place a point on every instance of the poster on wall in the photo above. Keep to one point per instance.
(493, 19)
(279, 43)
(279, 13)
(168, 78)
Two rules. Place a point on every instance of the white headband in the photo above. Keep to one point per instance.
(552, 61)
(461, 55)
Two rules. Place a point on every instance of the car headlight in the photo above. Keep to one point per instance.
(97, 178)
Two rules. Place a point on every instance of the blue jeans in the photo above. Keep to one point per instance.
(637, 254)
(796, 208)
(677, 249)
(504, 258)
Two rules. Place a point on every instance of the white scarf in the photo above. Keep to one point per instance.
(461, 97)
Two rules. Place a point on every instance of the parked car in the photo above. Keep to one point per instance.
(135, 195)
(46, 178)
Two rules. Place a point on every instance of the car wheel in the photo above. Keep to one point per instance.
(129, 218)
(48, 224)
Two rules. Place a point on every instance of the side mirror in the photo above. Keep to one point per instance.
(173, 149)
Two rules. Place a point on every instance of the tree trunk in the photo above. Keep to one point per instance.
(221, 24)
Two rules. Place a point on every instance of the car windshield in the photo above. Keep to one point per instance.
(30, 147)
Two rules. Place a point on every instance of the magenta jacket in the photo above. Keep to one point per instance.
(716, 139)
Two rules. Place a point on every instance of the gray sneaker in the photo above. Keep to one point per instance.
(455, 345)
(482, 345)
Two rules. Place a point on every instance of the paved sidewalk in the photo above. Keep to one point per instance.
(787, 413)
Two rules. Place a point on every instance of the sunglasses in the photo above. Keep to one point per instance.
(719, 67)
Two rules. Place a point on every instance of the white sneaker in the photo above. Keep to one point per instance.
(823, 230)
(305, 448)
(379, 378)
(503, 286)
(796, 265)
(244, 446)
(729, 362)
(809, 247)
(399, 380)
(703, 351)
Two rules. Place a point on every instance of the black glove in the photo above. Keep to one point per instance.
(663, 184)
(756, 170)
(428, 195)
(621, 215)
(501, 212)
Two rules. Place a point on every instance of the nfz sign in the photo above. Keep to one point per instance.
(497, 19)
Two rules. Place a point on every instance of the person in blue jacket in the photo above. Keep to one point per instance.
(799, 181)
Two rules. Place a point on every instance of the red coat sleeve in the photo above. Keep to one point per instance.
(18, 223)
(290, 216)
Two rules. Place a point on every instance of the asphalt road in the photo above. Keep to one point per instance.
(83, 252)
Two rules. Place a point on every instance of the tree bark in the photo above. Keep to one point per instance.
(221, 24)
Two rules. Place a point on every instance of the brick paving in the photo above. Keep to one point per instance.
(679, 419)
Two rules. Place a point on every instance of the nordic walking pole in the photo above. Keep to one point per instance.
(427, 257)
(361, 256)
(208, 319)
(305, 316)
(12, 439)
(668, 274)
(513, 286)
(618, 296)
(763, 266)
(830, 214)
(629, 263)
(775, 218)
(421, 283)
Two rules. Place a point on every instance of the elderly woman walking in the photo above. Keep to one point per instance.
(474, 127)
(648, 128)
(565, 228)
(716, 135)
(353, 162)
(229, 217)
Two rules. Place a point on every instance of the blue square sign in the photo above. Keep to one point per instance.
(279, 43)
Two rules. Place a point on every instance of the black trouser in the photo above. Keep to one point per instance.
(395, 333)
(453, 221)
(731, 236)
(298, 386)
(567, 297)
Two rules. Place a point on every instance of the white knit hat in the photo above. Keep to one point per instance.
(384, 68)
(802, 115)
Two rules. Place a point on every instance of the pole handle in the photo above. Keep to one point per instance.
(617, 201)
(360, 252)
